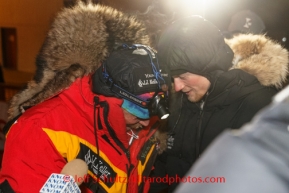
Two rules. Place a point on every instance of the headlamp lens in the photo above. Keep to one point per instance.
(158, 106)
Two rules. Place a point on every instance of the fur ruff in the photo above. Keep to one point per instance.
(261, 57)
(79, 39)
(161, 137)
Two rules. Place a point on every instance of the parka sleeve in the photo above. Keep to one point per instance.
(29, 157)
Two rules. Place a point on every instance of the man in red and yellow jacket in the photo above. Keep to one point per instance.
(106, 116)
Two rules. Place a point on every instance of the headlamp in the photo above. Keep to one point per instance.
(158, 106)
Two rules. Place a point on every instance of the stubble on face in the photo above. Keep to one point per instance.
(193, 96)
(134, 127)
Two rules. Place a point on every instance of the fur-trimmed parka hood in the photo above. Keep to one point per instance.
(79, 39)
(261, 57)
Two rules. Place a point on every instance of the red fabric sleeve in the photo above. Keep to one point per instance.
(29, 157)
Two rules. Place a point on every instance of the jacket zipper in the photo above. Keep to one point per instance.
(199, 129)
(198, 141)
(129, 166)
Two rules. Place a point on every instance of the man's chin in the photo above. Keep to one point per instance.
(194, 99)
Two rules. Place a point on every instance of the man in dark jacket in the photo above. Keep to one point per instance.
(253, 159)
(217, 87)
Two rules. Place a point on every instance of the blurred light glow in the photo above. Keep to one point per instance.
(189, 7)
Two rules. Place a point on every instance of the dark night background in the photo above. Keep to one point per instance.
(275, 13)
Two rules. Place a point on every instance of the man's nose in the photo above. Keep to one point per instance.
(178, 84)
(145, 122)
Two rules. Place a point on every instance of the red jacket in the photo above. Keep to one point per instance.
(49, 135)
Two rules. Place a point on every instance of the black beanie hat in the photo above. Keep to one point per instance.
(132, 69)
(195, 45)
(246, 21)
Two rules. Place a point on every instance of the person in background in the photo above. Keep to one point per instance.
(98, 95)
(155, 18)
(253, 159)
(245, 22)
(218, 85)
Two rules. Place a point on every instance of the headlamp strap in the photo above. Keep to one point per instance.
(128, 96)
(121, 92)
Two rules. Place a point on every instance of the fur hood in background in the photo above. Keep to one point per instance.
(260, 56)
